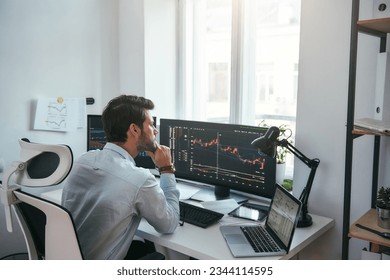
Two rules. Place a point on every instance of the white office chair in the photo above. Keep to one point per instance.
(48, 228)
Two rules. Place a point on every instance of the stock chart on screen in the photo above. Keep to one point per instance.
(219, 154)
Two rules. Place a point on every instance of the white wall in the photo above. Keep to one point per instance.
(148, 51)
(321, 112)
(132, 47)
(65, 48)
(160, 56)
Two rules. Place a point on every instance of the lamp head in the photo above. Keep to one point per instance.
(267, 143)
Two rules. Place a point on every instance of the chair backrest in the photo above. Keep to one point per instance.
(48, 228)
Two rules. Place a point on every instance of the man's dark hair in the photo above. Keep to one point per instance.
(122, 111)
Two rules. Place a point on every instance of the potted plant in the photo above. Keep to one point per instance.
(383, 207)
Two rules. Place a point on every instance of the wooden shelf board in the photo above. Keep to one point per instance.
(357, 131)
(379, 24)
(369, 220)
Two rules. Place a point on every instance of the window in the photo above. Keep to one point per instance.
(205, 47)
(239, 61)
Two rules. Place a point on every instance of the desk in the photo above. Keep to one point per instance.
(208, 243)
(200, 243)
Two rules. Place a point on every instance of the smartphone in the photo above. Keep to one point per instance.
(251, 211)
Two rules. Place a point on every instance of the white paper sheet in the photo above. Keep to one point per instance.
(60, 114)
(224, 206)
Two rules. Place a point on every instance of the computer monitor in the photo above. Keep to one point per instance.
(220, 155)
(96, 139)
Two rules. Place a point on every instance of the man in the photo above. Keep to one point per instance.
(108, 194)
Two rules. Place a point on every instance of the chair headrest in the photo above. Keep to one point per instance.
(40, 165)
(47, 164)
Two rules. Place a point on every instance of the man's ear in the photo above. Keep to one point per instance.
(134, 129)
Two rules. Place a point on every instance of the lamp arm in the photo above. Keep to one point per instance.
(284, 143)
(312, 164)
(306, 191)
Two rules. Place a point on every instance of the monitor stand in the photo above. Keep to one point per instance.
(219, 193)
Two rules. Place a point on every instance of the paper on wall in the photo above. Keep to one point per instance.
(60, 114)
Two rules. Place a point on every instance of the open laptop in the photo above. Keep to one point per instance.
(280, 225)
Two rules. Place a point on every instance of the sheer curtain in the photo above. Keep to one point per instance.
(238, 61)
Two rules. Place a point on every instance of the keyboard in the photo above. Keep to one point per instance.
(259, 239)
(198, 216)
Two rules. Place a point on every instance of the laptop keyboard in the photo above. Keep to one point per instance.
(259, 239)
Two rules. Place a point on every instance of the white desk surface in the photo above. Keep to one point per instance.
(209, 243)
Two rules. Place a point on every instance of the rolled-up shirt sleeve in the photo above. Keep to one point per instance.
(159, 203)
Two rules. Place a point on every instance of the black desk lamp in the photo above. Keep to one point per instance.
(267, 144)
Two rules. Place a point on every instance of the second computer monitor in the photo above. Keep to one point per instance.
(219, 154)
(96, 139)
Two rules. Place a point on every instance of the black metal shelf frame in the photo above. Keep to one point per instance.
(355, 29)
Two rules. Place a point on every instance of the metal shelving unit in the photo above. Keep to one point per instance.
(378, 28)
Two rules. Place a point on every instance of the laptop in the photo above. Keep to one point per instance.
(279, 226)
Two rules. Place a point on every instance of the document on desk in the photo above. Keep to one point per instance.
(186, 190)
(224, 206)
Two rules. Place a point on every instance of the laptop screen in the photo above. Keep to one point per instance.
(282, 217)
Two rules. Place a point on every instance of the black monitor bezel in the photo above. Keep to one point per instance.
(91, 117)
(267, 191)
